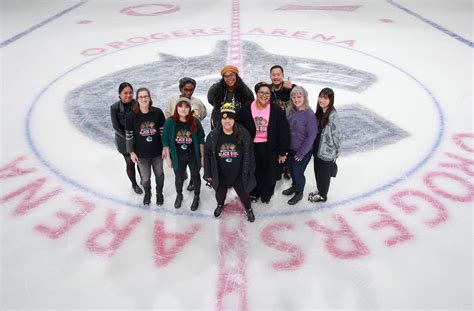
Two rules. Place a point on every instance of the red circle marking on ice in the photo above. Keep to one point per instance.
(168, 8)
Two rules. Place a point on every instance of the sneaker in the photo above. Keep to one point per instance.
(195, 204)
(296, 198)
(137, 189)
(159, 199)
(289, 191)
(218, 210)
(178, 201)
(318, 198)
(147, 198)
(250, 215)
(312, 194)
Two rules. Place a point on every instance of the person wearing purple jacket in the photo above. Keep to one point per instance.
(303, 130)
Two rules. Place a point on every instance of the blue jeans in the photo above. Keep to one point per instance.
(145, 165)
(297, 169)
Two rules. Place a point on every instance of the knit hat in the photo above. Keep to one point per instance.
(230, 68)
(185, 100)
(227, 111)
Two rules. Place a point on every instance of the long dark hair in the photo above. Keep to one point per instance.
(323, 117)
(189, 118)
(238, 91)
(235, 133)
(137, 106)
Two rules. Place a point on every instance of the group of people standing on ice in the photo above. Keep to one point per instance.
(254, 140)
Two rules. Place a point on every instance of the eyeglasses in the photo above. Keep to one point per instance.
(143, 97)
(188, 90)
(229, 75)
(264, 94)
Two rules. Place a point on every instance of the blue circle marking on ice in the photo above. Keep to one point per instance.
(308, 209)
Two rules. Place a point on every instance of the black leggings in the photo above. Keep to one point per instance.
(130, 169)
(221, 193)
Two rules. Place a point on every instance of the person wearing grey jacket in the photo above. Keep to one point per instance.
(326, 145)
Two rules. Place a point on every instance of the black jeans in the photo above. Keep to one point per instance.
(322, 171)
(145, 165)
(238, 185)
(187, 159)
(265, 171)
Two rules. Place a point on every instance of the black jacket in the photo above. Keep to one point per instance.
(118, 116)
(248, 160)
(278, 129)
(216, 96)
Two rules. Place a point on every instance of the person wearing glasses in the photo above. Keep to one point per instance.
(230, 89)
(303, 129)
(268, 127)
(143, 141)
(183, 141)
(327, 144)
(118, 114)
(229, 161)
(186, 88)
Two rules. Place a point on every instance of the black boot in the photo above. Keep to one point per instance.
(250, 215)
(218, 210)
(178, 201)
(296, 198)
(195, 204)
(159, 198)
(191, 185)
(137, 189)
(147, 198)
(289, 191)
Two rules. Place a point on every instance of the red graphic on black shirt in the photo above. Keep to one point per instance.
(183, 137)
(147, 128)
(228, 150)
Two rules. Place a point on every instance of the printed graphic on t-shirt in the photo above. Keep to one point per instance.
(183, 138)
(148, 129)
(228, 152)
(260, 124)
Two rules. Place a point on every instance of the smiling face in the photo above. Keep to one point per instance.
(230, 79)
(323, 101)
(143, 98)
(298, 100)
(183, 110)
(276, 75)
(126, 95)
(228, 125)
(263, 96)
(187, 90)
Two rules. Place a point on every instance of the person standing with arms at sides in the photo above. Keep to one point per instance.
(118, 113)
(327, 144)
(229, 161)
(183, 141)
(270, 133)
(230, 89)
(143, 140)
(280, 88)
(303, 129)
(186, 88)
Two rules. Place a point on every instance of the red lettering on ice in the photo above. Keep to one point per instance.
(295, 253)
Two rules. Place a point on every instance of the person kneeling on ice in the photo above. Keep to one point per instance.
(229, 161)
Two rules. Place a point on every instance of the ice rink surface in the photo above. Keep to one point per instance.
(395, 233)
